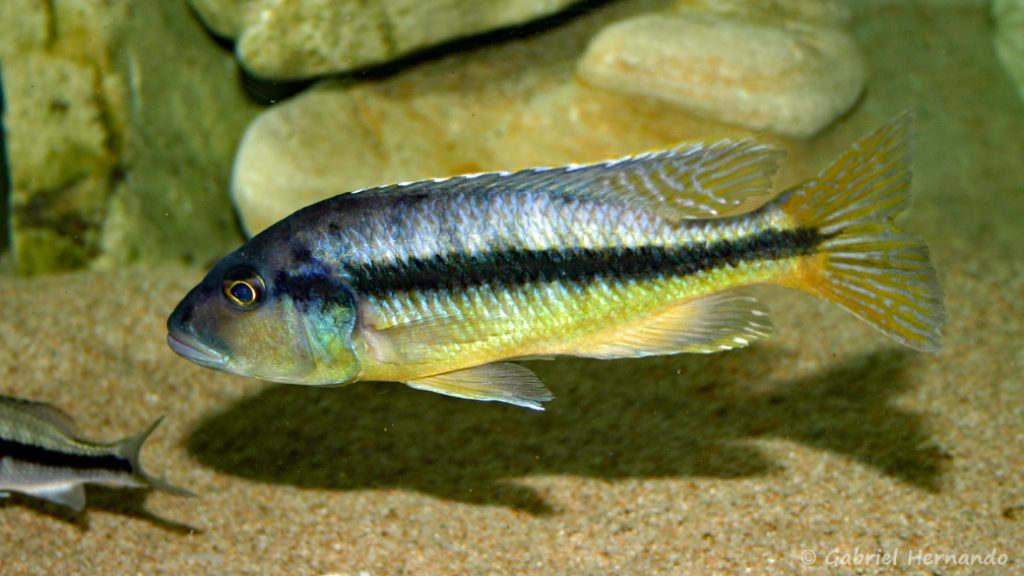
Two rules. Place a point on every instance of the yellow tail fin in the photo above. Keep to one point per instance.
(866, 264)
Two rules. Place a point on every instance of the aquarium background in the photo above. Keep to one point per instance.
(144, 140)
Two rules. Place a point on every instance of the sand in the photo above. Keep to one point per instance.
(825, 450)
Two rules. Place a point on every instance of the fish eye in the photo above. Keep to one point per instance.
(243, 288)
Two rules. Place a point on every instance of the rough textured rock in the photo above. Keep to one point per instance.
(119, 150)
(784, 66)
(1009, 17)
(292, 39)
(58, 145)
(24, 25)
(60, 131)
(5, 184)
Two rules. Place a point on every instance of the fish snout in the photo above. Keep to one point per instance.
(195, 350)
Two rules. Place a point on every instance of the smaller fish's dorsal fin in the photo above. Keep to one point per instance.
(709, 324)
(48, 413)
(498, 382)
(70, 495)
(694, 180)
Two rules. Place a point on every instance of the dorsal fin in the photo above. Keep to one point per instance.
(48, 413)
(697, 180)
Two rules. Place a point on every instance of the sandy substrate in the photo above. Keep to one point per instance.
(818, 451)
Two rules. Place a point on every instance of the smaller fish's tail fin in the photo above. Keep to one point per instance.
(130, 448)
(864, 263)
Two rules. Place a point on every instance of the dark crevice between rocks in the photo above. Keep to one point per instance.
(5, 180)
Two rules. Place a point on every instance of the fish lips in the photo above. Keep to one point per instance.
(197, 351)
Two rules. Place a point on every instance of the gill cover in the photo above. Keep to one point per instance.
(330, 323)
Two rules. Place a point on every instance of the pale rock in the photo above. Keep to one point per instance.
(506, 106)
(323, 143)
(786, 67)
(227, 18)
(1009, 40)
(335, 139)
(294, 39)
(785, 11)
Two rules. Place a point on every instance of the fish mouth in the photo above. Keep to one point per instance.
(197, 352)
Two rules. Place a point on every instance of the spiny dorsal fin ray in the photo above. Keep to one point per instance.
(498, 382)
(697, 180)
(709, 324)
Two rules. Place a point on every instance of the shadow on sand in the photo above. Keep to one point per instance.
(128, 502)
(658, 417)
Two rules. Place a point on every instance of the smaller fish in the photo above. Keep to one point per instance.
(41, 455)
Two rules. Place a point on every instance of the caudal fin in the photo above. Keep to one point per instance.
(865, 264)
(130, 448)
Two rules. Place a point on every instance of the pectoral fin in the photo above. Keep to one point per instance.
(498, 382)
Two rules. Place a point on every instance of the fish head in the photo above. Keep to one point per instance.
(257, 313)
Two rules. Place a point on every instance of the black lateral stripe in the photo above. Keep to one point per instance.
(57, 459)
(313, 289)
(583, 265)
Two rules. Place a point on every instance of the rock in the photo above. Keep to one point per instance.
(119, 150)
(502, 107)
(294, 39)
(786, 67)
(325, 142)
(1009, 41)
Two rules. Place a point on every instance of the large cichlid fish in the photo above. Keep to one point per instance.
(439, 283)
(41, 455)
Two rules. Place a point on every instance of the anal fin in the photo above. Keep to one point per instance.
(707, 324)
(498, 382)
(72, 495)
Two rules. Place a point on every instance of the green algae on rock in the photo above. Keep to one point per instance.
(118, 151)
(1009, 41)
